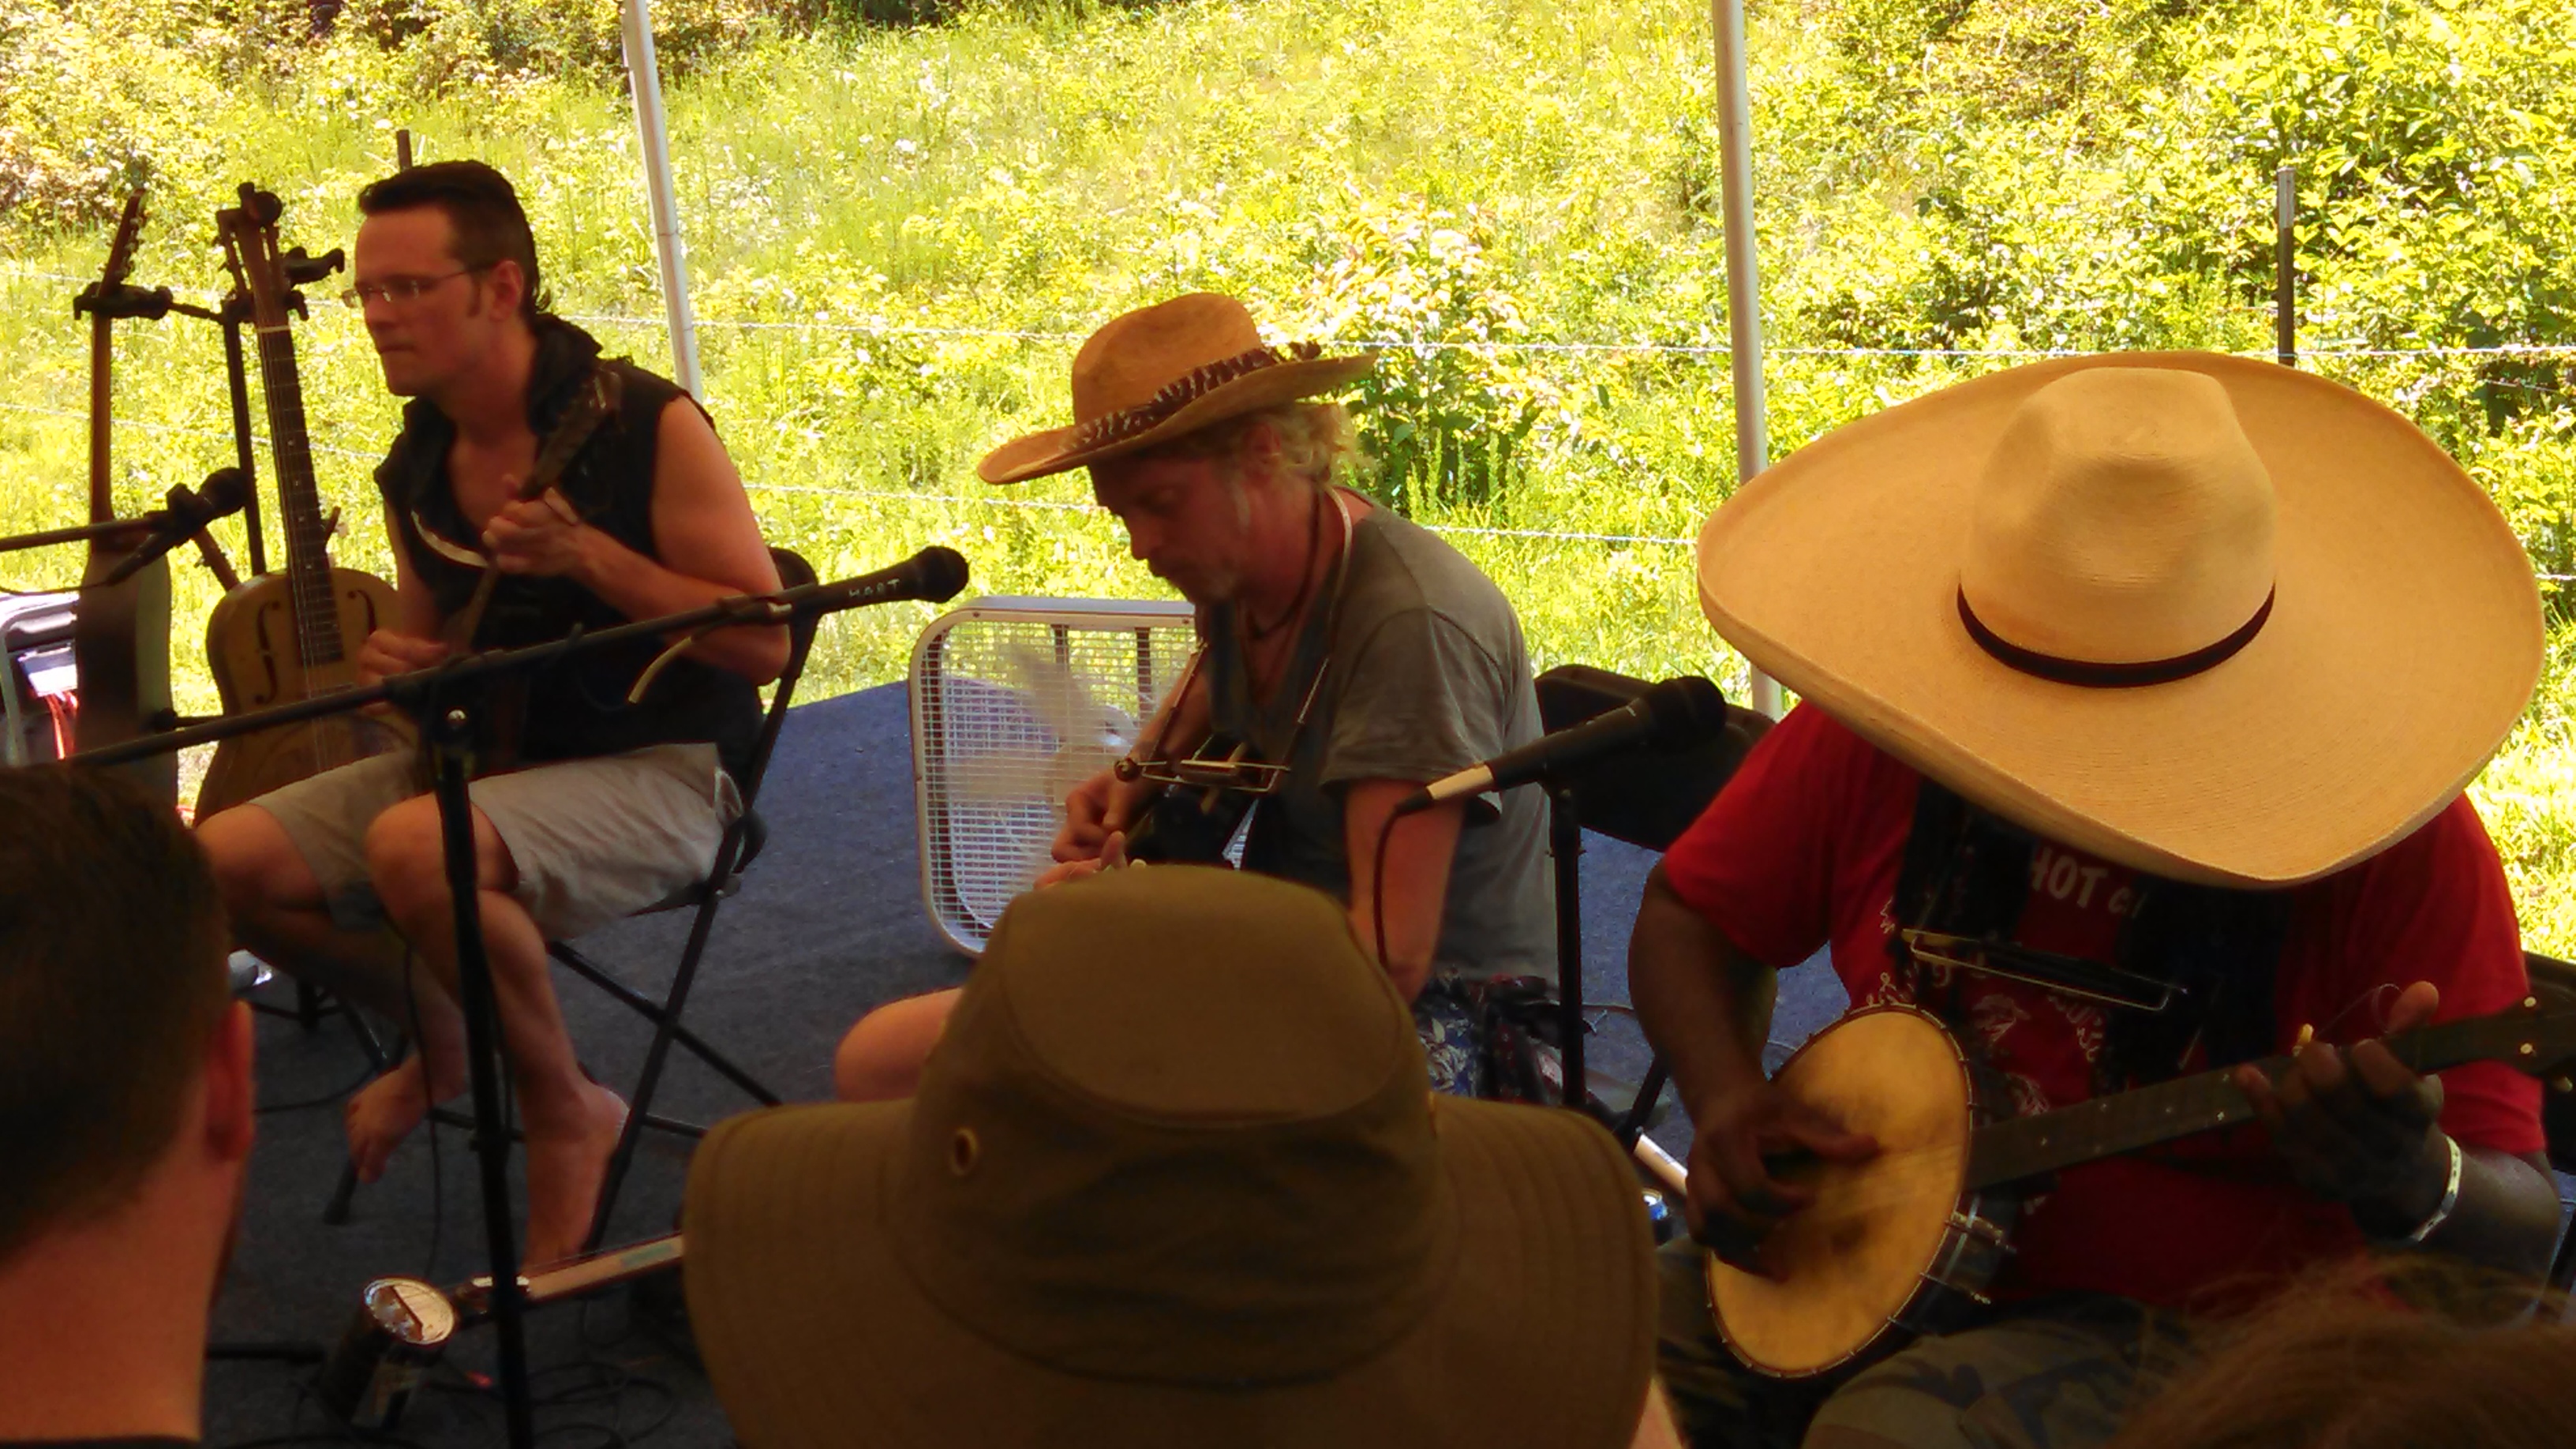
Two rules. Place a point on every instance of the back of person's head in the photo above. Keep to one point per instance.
(2396, 1356)
(112, 984)
(483, 210)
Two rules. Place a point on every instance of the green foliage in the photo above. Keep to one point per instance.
(101, 95)
(1445, 411)
(2528, 796)
(899, 231)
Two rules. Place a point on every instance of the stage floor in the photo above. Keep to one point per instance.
(828, 924)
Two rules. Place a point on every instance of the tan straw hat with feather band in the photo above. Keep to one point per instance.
(1160, 372)
(1174, 1177)
(2212, 618)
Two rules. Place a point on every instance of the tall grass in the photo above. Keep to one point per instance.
(897, 237)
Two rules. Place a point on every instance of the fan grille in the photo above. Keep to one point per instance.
(1014, 701)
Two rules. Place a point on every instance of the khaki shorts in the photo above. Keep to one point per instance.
(594, 840)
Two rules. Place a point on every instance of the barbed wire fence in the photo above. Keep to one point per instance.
(879, 327)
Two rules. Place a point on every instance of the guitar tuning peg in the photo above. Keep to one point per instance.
(2562, 1084)
(301, 268)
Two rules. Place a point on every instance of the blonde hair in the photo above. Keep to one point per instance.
(2388, 1354)
(1317, 441)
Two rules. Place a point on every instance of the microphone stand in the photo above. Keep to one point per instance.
(232, 316)
(1565, 848)
(77, 533)
(434, 698)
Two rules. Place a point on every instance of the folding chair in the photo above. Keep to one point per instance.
(741, 843)
(1646, 797)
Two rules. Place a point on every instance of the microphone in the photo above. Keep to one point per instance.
(1673, 714)
(224, 493)
(935, 574)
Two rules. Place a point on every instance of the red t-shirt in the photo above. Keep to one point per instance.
(1803, 848)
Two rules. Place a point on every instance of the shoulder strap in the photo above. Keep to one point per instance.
(597, 401)
(600, 394)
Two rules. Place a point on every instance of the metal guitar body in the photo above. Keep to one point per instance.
(251, 647)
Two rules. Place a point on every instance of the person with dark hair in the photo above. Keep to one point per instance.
(125, 1112)
(592, 806)
(2139, 694)
(486, 226)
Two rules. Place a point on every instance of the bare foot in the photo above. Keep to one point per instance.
(565, 1174)
(382, 1114)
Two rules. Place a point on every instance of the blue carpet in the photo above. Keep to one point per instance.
(829, 923)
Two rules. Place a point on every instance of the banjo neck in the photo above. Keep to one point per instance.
(2025, 1147)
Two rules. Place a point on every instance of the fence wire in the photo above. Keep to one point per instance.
(878, 327)
(967, 500)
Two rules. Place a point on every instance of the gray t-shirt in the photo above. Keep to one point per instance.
(1424, 674)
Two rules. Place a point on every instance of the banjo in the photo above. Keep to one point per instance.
(1902, 1243)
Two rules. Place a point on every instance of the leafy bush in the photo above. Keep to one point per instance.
(1445, 411)
(899, 232)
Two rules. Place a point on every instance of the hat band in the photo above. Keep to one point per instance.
(1190, 386)
(2092, 675)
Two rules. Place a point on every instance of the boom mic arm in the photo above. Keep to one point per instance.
(1676, 712)
(224, 493)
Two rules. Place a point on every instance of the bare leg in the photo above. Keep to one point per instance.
(572, 1123)
(882, 1057)
(278, 911)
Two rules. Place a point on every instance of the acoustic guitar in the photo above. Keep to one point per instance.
(287, 636)
(121, 631)
(1904, 1243)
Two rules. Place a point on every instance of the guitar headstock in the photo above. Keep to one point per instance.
(268, 275)
(109, 296)
(2535, 1036)
(120, 251)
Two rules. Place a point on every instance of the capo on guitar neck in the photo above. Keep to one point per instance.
(2055, 971)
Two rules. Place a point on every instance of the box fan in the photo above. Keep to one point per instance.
(1015, 701)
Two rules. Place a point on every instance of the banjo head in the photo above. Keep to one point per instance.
(1849, 1263)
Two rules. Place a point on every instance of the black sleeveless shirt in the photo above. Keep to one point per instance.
(577, 706)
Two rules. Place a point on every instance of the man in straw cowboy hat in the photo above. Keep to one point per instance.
(1341, 641)
(1172, 1178)
(2169, 670)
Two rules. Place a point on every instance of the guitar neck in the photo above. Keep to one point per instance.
(308, 551)
(2127, 1121)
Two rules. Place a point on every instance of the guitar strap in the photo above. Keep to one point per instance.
(594, 404)
(1315, 640)
(506, 698)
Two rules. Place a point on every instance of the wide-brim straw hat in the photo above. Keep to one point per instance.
(2211, 618)
(1163, 371)
(1174, 1177)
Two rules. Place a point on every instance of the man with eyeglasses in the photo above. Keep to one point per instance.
(598, 807)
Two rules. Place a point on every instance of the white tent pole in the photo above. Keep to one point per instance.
(1743, 278)
(644, 79)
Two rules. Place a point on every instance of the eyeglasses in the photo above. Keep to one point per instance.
(402, 289)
